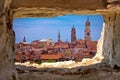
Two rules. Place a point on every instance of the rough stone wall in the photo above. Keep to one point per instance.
(7, 68)
(114, 48)
(116, 41)
(108, 47)
(99, 55)
(66, 4)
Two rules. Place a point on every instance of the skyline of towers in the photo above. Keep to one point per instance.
(87, 33)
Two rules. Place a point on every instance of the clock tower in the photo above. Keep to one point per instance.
(87, 31)
(73, 34)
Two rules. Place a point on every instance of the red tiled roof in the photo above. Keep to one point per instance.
(51, 56)
(92, 43)
(81, 41)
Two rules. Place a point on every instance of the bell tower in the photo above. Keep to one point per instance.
(87, 31)
(73, 34)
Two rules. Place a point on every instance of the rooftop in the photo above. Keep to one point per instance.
(46, 40)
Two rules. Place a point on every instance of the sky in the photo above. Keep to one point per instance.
(39, 28)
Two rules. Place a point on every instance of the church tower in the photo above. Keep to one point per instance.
(24, 39)
(59, 40)
(73, 34)
(87, 31)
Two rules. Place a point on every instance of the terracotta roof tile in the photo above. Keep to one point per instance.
(51, 56)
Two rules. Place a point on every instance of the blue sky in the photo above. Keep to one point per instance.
(39, 28)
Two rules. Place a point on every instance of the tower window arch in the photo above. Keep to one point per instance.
(88, 34)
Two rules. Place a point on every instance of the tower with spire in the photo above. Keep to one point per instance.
(87, 31)
(24, 39)
(73, 34)
(59, 36)
(59, 42)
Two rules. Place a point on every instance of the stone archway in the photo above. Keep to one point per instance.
(108, 46)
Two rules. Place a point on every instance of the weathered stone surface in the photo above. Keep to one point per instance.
(115, 51)
(51, 8)
(108, 46)
(71, 4)
(50, 12)
(7, 68)
(92, 72)
(99, 55)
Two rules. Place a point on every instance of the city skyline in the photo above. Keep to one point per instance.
(39, 28)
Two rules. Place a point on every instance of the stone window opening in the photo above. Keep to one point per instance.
(108, 43)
